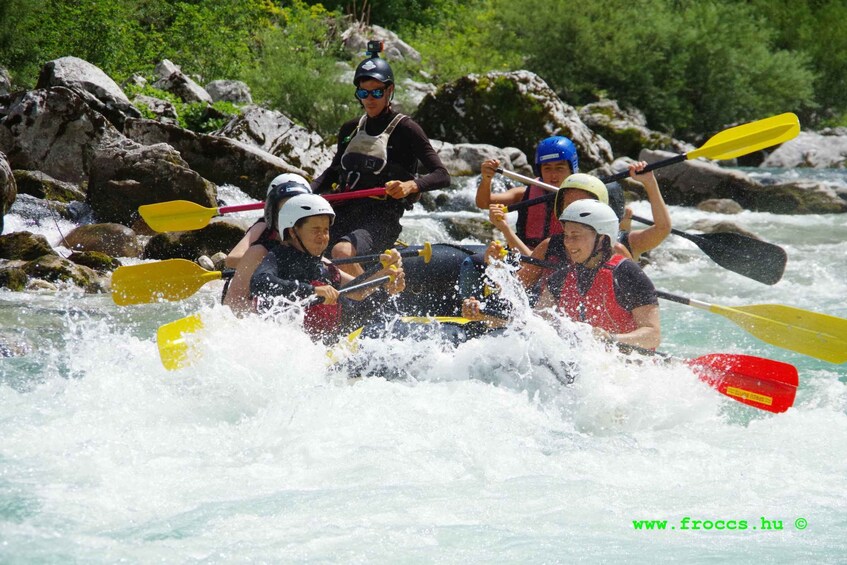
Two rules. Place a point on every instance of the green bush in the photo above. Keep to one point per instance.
(195, 116)
(296, 70)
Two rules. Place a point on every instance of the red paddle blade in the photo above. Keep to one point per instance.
(755, 381)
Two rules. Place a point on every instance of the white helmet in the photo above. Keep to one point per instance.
(303, 206)
(593, 214)
(285, 185)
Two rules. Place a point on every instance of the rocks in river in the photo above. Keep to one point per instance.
(217, 236)
(219, 159)
(55, 269)
(24, 246)
(508, 109)
(465, 159)
(41, 185)
(8, 188)
(55, 131)
(122, 179)
(711, 226)
(13, 278)
(473, 228)
(690, 182)
(99, 262)
(112, 239)
(720, 206)
(811, 149)
(626, 130)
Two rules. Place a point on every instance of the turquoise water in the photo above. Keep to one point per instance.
(261, 453)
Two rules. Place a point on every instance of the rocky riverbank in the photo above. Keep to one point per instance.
(79, 146)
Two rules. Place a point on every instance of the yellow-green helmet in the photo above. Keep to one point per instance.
(589, 184)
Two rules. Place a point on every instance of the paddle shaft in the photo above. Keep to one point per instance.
(353, 288)
(370, 258)
(335, 197)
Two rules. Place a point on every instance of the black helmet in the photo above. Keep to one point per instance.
(374, 68)
(285, 185)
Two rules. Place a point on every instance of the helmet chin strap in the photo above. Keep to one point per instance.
(300, 241)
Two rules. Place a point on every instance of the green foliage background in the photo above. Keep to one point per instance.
(693, 66)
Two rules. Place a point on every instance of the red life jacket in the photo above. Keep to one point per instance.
(598, 306)
(537, 223)
(322, 319)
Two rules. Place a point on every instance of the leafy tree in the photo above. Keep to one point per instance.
(296, 69)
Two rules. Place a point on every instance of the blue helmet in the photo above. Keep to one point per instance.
(556, 148)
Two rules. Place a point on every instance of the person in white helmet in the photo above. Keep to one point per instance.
(251, 250)
(594, 284)
(295, 268)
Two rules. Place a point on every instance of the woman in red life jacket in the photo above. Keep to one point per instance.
(248, 254)
(295, 269)
(594, 284)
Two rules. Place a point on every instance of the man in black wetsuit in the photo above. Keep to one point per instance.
(382, 148)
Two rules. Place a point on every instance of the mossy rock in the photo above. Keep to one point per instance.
(53, 268)
(13, 278)
(217, 236)
(796, 198)
(462, 228)
(100, 262)
(24, 245)
(41, 185)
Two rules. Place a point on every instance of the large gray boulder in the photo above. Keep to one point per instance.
(691, 182)
(8, 188)
(173, 80)
(465, 159)
(94, 86)
(810, 149)
(218, 236)
(53, 130)
(275, 133)
(626, 130)
(122, 179)
(217, 158)
(355, 41)
(234, 91)
(508, 109)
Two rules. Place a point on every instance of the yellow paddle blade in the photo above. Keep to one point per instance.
(176, 215)
(174, 279)
(747, 138)
(817, 335)
(174, 352)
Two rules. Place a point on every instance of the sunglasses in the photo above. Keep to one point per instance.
(377, 93)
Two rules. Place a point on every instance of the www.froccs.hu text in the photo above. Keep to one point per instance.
(689, 523)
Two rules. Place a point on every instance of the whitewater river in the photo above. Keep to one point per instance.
(259, 453)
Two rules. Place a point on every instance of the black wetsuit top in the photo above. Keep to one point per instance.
(407, 145)
(297, 268)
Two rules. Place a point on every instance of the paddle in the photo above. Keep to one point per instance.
(817, 335)
(173, 279)
(175, 353)
(754, 381)
(747, 256)
(182, 215)
(177, 279)
(728, 144)
(426, 253)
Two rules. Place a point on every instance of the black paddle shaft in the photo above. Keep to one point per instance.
(753, 258)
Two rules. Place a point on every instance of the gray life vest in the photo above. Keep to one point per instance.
(366, 155)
